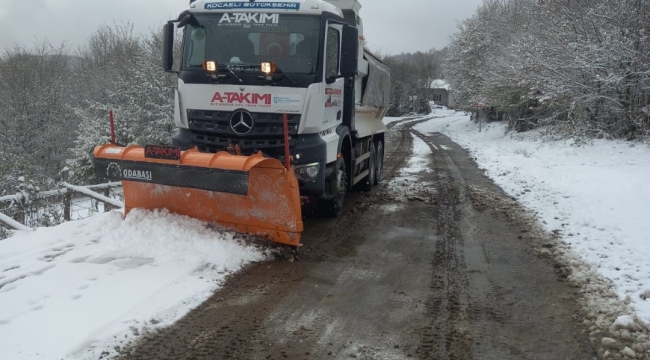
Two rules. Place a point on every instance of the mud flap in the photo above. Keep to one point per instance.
(249, 194)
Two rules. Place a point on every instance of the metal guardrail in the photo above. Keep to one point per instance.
(67, 191)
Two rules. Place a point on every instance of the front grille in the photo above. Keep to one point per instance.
(211, 132)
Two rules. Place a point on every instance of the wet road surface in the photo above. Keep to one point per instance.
(424, 268)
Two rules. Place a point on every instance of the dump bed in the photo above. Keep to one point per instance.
(377, 85)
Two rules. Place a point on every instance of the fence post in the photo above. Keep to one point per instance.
(67, 197)
(107, 193)
(20, 216)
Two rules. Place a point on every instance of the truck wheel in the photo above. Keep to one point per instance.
(380, 162)
(333, 207)
(369, 181)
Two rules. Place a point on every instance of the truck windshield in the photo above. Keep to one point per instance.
(239, 40)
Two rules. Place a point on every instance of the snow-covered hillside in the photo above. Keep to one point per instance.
(79, 289)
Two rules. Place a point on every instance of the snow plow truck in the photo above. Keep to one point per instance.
(277, 104)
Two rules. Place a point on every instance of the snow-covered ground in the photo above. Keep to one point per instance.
(597, 197)
(77, 290)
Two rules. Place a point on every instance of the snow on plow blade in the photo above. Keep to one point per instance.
(249, 194)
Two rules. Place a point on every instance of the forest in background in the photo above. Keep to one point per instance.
(411, 77)
(54, 109)
(577, 68)
(54, 104)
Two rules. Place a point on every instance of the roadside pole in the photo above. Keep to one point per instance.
(479, 106)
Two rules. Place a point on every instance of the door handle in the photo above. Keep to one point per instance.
(338, 115)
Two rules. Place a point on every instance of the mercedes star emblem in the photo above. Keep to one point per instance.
(241, 122)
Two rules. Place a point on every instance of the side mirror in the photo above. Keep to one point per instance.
(349, 51)
(185, 19)
(168, 47)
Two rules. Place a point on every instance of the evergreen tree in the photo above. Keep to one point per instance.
(141, 97)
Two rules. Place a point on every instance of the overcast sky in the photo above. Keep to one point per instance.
(391, 26)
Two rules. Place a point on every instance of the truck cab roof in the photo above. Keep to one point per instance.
(314, 7)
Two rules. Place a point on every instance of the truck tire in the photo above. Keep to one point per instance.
(379, 162)
(369, 181)
(333, 207)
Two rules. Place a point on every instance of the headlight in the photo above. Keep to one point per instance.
(210, 66)
(268, 68)
(307, 172)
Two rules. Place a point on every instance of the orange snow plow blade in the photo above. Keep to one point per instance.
(249, 194)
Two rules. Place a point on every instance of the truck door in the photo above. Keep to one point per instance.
(333, 83)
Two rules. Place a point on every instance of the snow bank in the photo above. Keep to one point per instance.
(81, 288)
(409, 186)
(419, 161)
(435, 113)
(595, 197)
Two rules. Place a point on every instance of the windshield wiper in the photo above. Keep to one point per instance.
(232, 72)
(285, 76)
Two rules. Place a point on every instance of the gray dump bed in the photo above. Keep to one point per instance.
(377, 91)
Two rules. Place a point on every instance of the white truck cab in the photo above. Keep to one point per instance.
(245, 64)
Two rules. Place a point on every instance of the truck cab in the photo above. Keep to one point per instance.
(244, 65)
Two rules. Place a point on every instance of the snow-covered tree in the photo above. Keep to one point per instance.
(35, 120)
(411, 77)
(141, 97)
(579, 66)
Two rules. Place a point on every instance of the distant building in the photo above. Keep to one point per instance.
(440, 93)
